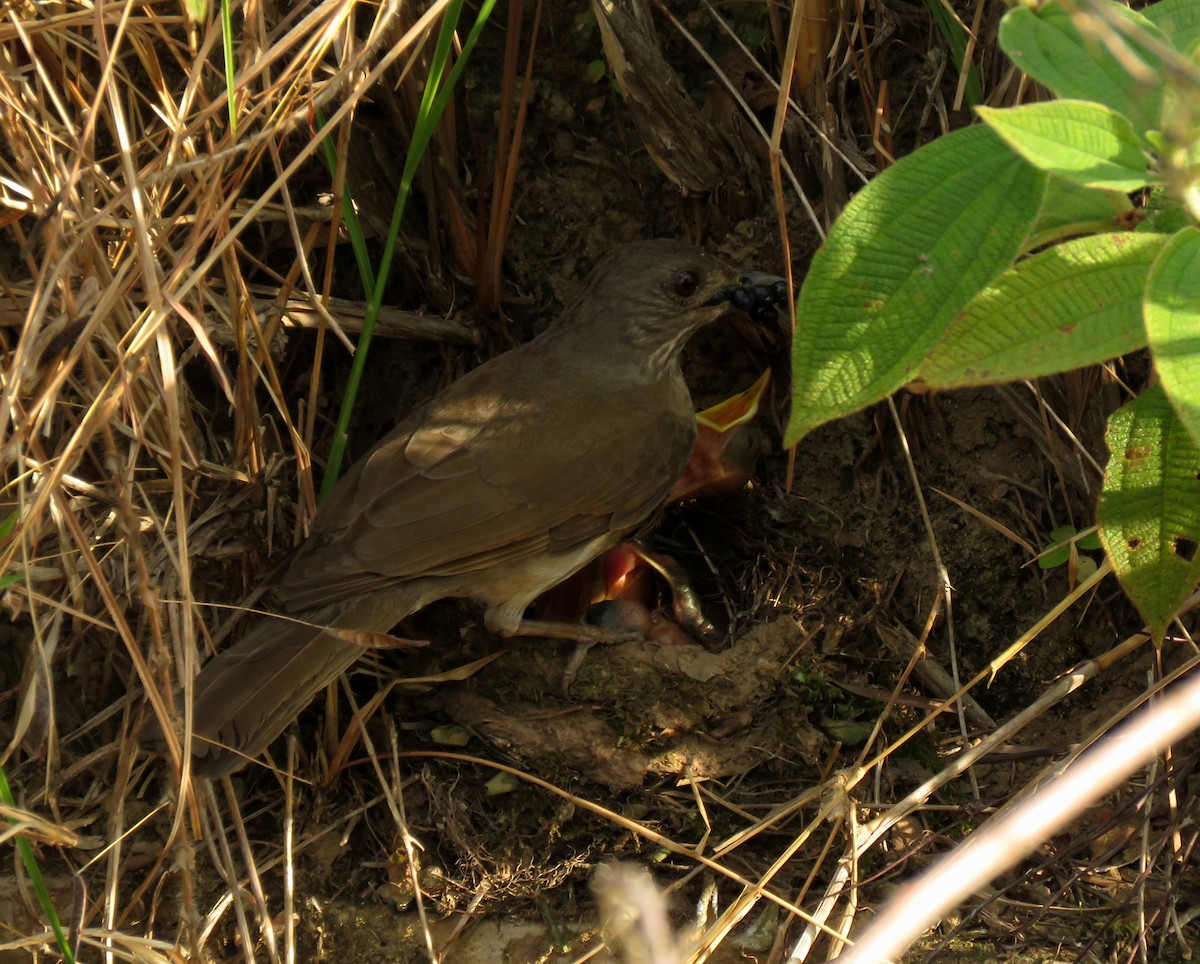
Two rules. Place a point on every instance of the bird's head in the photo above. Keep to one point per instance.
(657, 293)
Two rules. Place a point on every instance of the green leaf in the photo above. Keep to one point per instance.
(907, 254)
(1075, 304)
(1179, 21)
(450, 735)
(1173, 323)
(501, 784)
(1050, 48)
(1054, 556)
(1070, 208)
(1149, 511)
(847, 732)
(1057, 549)
(1084, 142)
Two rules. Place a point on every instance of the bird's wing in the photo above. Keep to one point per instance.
(477, 480)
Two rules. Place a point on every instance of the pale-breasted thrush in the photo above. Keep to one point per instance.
(499, 487)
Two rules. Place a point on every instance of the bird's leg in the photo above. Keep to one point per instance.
(576, 632)
(584, 637)
(613, 595)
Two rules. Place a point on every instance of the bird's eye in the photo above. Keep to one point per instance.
(686, 283)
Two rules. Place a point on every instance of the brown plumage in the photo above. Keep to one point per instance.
(499, 487)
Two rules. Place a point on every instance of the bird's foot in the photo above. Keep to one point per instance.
(571, 670)
(583, 635)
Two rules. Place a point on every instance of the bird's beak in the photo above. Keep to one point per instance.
(757, 294)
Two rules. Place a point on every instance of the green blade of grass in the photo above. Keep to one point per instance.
(952, 32)
(25, 849)
(358, 243)
(230, 66)
(438, 91)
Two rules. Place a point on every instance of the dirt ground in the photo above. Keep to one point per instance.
(820, 575)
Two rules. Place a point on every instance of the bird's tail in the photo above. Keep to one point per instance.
(247, 694)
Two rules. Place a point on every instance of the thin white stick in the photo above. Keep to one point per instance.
(1005, 839)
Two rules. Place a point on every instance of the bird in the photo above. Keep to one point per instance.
(619, 588)
(503, 484)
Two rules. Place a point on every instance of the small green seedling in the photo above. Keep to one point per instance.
(1063, 548)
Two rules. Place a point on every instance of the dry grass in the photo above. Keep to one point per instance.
(155, 454)
(136, 222)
